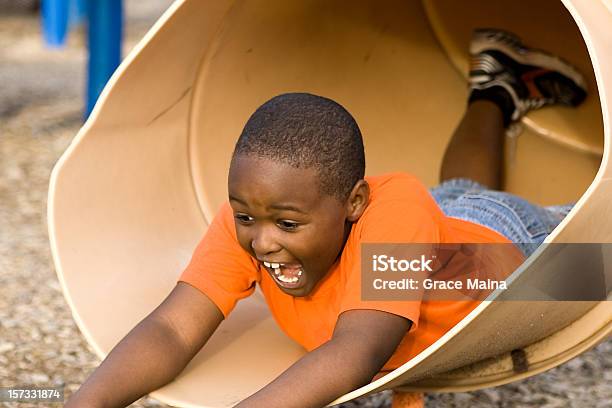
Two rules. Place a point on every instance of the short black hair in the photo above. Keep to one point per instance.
(307, 131)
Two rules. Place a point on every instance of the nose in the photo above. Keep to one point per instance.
(264, 243)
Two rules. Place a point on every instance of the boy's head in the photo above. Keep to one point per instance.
(295, 186)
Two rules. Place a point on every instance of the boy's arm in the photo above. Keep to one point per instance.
(154, 352)
(362, 342)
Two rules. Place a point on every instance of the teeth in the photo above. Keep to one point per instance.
(272, 265)
(277, 271)
(285, 279)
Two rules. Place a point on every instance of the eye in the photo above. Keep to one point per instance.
(243, 218)
(288, 225)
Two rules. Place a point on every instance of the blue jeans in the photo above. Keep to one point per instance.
(521, 222)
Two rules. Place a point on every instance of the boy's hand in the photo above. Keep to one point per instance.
(154, 352)
(362, 342)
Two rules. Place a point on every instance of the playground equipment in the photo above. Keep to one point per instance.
(104, 36)
(135, 191)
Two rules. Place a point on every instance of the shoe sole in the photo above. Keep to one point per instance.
(480, 42)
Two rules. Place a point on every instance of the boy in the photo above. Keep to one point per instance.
(299, 209)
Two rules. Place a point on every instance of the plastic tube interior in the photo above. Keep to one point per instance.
(135, 191)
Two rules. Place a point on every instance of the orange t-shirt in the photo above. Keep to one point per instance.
(400, 210)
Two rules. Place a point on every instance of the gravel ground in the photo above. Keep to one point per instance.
(41, 97)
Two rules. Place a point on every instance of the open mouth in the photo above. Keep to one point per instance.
(287, 275)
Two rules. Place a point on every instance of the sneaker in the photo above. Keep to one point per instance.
(530, 77)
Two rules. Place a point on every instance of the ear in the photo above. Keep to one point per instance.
(357, 200)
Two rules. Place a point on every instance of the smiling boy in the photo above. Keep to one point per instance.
(299, 209)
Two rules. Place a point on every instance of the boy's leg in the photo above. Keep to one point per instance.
(475, 150)
(507, 80)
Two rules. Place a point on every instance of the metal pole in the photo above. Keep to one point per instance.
(55, 22)
(105, 32)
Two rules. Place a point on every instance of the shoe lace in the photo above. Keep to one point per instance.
(535, 103)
